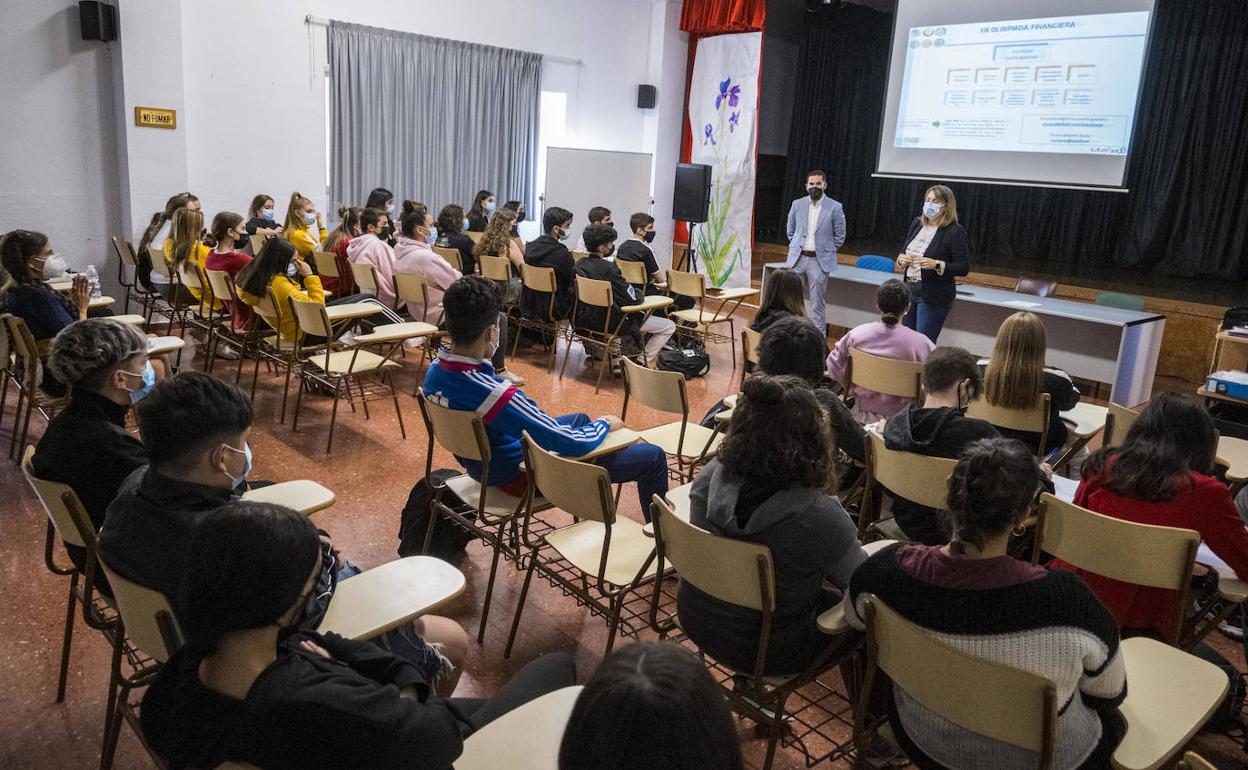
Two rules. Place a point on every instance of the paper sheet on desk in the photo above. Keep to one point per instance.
(1064, 488)
(1021, 303)
(1209, 559)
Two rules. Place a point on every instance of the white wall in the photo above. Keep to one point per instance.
(58, 131)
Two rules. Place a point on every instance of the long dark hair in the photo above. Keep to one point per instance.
(650, 705)
(246, 567)
(378, 197)
(893, 297)
(1172, 438)
(18, 247)
(271, 262)
(991, 486)
(780, 434)
(451, 219)
(478, 203)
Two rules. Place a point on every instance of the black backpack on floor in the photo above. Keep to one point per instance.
(449, 540)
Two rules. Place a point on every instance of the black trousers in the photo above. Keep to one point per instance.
(548, 673)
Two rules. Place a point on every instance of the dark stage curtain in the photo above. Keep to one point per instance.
(1186, 214)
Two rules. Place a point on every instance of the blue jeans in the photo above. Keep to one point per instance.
(644, 463)
(925, 318)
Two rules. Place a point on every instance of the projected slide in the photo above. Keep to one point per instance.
(1065, 84)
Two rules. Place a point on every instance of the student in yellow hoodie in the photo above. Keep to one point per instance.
(185, 243)
(278, 267)
(301, 216)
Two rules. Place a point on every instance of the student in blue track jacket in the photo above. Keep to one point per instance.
(463, 378)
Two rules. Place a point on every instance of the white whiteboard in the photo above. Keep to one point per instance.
(578, 180)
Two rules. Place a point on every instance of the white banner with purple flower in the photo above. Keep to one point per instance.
(723, 111)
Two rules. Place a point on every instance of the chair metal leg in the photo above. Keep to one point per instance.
(489, 585)
(567, 351)
(524, 594)
(114, 682)
(17, 418)
(67, 643)
(114, 731)
(333, 418)
(299, 386)
(21, 441)
(394, 396)
(255, 374)
(286, 392)
(363, 396)
(613, 620)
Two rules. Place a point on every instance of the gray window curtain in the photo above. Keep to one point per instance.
(430, 119)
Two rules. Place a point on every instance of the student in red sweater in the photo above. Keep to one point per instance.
(228, 228)
(1160, 476)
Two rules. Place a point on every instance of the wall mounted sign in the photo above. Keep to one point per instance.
(154, 117)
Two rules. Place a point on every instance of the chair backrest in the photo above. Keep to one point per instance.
(686, 284)
(460, 432)
(475, 235)
(220, 281)
(325, 263)
(494, 267)
(126, 258)
(62, 505)
(633, 272)
(1035, 287)
(539, 278)
(730, 570)
(885, 375)
(876, 262)
(1033, 420)
(6, 349)
(989, 698)
(577, 256)
(918, 478)
(159, 265)
(27, 351)
(365, 277)
(664, 391)
(451, 256)
(188, 274)
(1120, 300)
(413, 287)
(750, 340)
(591, 292)
(566, 484)
(1118, 422)
(141, 610)
(311, 318)
(1194, 761)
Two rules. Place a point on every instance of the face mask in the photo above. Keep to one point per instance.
(236, 481)
(609, 253)
(310, 218)
(563, 234)
(648, 237)
(291, 271)
(815, 193)
(390, 209)
(54, 267)
(489, 207)
(465, 224)
(932, 210)
(493, 344)
(268, 214)
(432, 238)
(148, 378)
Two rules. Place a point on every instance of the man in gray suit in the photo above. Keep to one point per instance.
(816, 230)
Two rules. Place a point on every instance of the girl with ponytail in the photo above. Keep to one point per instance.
(305, 226)
(186, 244)
(159, 219)
(886, 338)
(348, 228)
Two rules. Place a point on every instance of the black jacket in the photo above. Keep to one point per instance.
(951, 246)
(590, 318)
(942, 432)
(549, 252)
(86, 446)
(463, 244)
(305, 712)
(477, 222)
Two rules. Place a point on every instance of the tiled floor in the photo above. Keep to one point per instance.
(371, 470)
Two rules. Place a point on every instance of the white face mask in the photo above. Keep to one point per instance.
(493, 342)
(54, 267)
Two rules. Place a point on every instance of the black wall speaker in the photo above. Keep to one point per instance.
(99, 20)
(692, 196)
(647, 97)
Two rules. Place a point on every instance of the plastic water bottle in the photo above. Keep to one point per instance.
(93, 281)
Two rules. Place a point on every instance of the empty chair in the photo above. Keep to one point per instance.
(1120, 300)
(876, 262)
(688, 444)
(1035, 287)
(703, 320)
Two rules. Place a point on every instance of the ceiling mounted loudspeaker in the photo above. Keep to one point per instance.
(647, 97)
(99, 20)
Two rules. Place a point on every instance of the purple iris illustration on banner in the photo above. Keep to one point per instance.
(708, 134)
(733, 121)
(729, 92)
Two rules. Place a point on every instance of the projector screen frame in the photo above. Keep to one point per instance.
(1003, 182)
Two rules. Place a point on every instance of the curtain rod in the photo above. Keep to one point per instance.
(320, 22)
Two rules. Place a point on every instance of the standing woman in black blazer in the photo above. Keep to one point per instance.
(937, 252)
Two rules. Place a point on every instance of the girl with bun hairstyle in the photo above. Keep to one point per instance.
(348, 227)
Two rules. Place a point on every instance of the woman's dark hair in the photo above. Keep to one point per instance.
(18, 247)
(372, 216)
(784, 291)
(1173, 437)
(378, 197)
(187, 413)
(175, 202)
(780, 434)
(257, 203)
(247, 565)
(555, 217)
(471, 307)
(271, 262)
(451, 219)
(348, 220)
(947, 366)
(413, 217)
(991, 486)
(793, 346)
(892, 298)
(223, 222)
(478, 203)
(651, 705)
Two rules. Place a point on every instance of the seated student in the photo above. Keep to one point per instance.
(451, 236)
(886, 338)
(185, 246)
(598, 215)
(518, 208)
(383, 200)
(548, 250)
(480, 212)
(413, 254)
(26, 295)
(86, 444)
(463, 378)
(301, 217)
(940, 428)
(368, 248)
(146, 277)
(796, 346)
(767, 486)
(637, 249)
(262, 218)
(252, 685)
(228, 230)
(497, 242)
(656, 330)
(1161, 475)
(784, 297)
(337, 242)
(972, 594)
(635, 712)
(1016, 375)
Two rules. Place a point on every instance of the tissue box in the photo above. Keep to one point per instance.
(1233, 384)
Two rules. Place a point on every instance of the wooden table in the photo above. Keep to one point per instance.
(526, 738)
(302, 495)
(157, 346)
(383, 598)
(650, 302)
(1233, 452)
(95, 303)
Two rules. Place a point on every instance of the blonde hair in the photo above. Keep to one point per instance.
(949, 209)
(294, 213)
(1015, 375)
(188, 224)
(496, 241)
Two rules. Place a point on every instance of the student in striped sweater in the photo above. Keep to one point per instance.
(972, 596)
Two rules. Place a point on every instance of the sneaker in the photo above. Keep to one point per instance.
(511, 377)
(228, 353)
(1231, 629)
(416, 343)
(348, 338)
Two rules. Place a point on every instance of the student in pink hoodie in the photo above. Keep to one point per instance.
(886, 338)
(369, 248)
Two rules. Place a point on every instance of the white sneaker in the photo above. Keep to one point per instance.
(512, 377)
(348, 338)
(228, 353)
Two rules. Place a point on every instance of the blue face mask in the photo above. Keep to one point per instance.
(268, 214)
(310, 218)
(148, 378)
(237, 481)
(932, 210)
(563, 234)
(433, 236)
(465, 224)
(489, 207)
(390, 209)
(291, 271)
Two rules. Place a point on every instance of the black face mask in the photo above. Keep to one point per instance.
(520, 215)
(609, 253)
(815, 193)
(649, 237)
